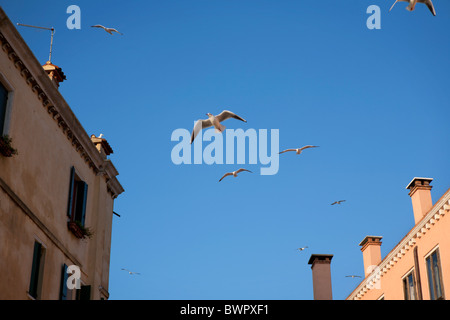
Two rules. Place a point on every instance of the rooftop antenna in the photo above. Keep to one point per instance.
(51, 40)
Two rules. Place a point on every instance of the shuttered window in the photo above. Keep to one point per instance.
(84, 293)
(36, 270)
(3, 100)
(435, 276)
(63, 289)
(78, 191)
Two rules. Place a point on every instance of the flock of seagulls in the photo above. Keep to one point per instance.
(412, 4)
(216, 122)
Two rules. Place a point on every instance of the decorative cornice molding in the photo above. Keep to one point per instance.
(61, 113)
(409, 241)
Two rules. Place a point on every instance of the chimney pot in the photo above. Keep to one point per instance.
(102, 146)
(55, 73)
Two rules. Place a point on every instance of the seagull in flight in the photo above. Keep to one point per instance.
(337, 202)
(299, 150)
(214, 121)
(130, 272)
(412, 5)
(352, 276)
(234, 173)
(109, 30)
(301, 249)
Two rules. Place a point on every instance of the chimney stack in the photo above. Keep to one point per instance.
(320, 266)
(102, 146)
(371, 253)
(420, 193)
(55, 73)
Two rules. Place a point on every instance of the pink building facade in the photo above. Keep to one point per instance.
(417, 268)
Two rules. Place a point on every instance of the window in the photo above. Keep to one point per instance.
(36, 271)
(409, 286)
(84, 293)
(435, 276)
(65, 293)
(77, 199)
(3, 101)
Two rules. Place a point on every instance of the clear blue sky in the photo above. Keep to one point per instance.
(375, 101)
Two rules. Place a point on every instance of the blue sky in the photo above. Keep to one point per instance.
(375, 101)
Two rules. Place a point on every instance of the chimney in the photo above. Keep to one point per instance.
(320, 266)
(420, 193)
(371, 253)
(102, 146)
(55, 73)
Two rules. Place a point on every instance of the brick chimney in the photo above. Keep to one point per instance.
(102, 146)
(371, 249)
(55, 73)
(321, 273)
(420, 193)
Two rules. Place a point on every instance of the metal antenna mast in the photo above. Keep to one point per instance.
(51, 40)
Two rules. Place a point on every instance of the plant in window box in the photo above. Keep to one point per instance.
(79, 230)
(6, 148)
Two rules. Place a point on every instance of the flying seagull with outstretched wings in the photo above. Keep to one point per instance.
(214, 121)
(234, 173)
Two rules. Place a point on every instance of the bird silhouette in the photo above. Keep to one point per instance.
(337, 202)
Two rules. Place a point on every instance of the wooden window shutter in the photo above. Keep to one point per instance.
(83, 209)
(3, 100)
(64, 277)
(35, 269)
(71, 191)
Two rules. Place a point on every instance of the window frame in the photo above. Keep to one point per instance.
(37, 271)
(9, 104)
(77, 184)
(432, 290)
(406, 285)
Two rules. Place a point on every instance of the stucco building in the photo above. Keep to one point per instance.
(57, 192)
(418, 267)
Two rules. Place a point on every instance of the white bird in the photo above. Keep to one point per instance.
(234, 173)
(213, 121)
(337, 202)
(299, 150)
(301, 249)
(109, 30)
(352, 276)
(101, 135)
(412, 5)
(130, 272)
